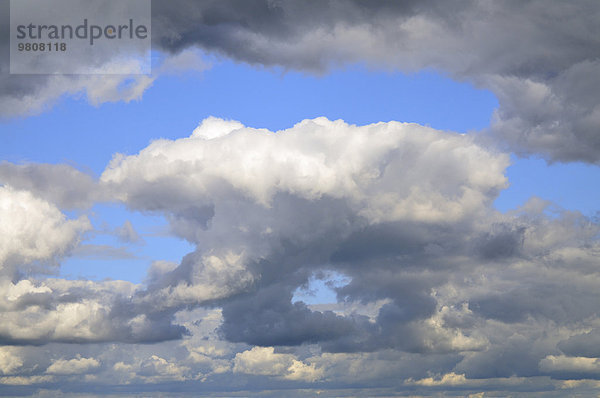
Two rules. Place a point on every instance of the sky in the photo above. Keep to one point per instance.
(309, 198)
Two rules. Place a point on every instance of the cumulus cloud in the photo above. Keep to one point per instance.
(437, 290)
(33, 230)
(72, 366)
(264, 361)
(77, 312)
(296, 191)
(584, 345)
(466, 283)
(570, 365)
(436, 175)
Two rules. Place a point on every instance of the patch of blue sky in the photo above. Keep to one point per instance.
(104, 254)
(320, 288)
(571, 186)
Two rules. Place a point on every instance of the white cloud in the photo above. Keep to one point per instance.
(73, 366)
(388, 171)
(10, 361)
(265, 362)
(449, 379)
(33, 230)
(562, 363)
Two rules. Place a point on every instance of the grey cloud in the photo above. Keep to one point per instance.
(515, 357)
(582, 345)
(102, 252)
(60, 184)
(24, 95)
(503, 241)
(237, 29)
(561, 301)
(128, 234)
(269, 318)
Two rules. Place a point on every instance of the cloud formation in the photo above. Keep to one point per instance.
(434, 279)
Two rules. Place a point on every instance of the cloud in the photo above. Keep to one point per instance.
(33, 230)
(10, 361)
(112, 77)
(270, 208)
(309, 161)
(26, 96)
(190, 60)
(583, 345)
(564, 364)
(127, 233)
(57, 310)
(265, 362)
(59, 184)
(102, 252)
(156, 368)
(24, 380)
(449, 379)
(73, 366)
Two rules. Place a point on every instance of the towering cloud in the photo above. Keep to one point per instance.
(435, 281)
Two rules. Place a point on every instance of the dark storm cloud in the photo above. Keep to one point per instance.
(235, 28)
(582, 345)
